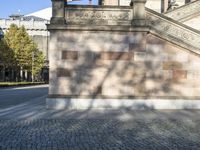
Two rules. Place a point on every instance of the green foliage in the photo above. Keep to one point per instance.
(25, 54)
(6, 54)
(38, 62)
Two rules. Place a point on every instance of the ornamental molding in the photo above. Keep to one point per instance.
(98, 16)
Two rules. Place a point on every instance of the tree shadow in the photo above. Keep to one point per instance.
(104, 69)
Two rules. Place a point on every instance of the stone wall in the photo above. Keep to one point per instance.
(101, 59)
(121, 65)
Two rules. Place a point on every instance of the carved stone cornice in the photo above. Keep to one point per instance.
(98, 15)
(185, 12)
(174, 31)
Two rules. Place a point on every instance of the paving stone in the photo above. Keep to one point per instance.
(47, 134)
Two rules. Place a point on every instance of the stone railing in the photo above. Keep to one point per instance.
(174, 31)
(80, 15)
(184, 12)
(98, 15)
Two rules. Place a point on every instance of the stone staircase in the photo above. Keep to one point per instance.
(185, 12)
(174, 31)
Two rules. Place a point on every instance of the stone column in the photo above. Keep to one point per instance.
(58, 12)
(139, 13)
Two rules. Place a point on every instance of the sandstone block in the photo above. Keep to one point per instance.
(62, 72)
(171, 65)
(117, 56)
(179, 74)
(71, 55)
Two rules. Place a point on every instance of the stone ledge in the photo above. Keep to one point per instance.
(133, 104)
(96, 28)
(102, 97)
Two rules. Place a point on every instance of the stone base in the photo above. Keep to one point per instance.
(139, 23)
(58, 20)
(134, 104)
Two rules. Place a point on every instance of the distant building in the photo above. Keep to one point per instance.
(36, 28)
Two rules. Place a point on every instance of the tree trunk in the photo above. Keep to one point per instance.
(3, 74)
(21, 74)
(12, 75)
(26, 75)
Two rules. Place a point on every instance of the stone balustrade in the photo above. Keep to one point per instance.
(185, 12)
(86, 15)
(98, 14)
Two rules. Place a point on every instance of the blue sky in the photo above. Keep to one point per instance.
(8, 7)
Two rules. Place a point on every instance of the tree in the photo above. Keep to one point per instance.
(6, 54)
(37, 62)
(24, 50)
(6, 58)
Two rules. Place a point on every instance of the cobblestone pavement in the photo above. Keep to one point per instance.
(100, 134)
(25, 124)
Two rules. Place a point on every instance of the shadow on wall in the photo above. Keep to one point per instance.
(119, 65)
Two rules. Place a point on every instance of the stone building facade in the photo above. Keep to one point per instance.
(122, 57)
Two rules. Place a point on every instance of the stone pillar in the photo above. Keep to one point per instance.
(165, 5)
(139, 13)
(58, 12)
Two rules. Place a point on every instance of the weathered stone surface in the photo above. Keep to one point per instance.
(137, 47)
(193, 75)
(62, 72)
(117, 56)
(179, 74)
(140, 56)
(71, 55)
(170, 65)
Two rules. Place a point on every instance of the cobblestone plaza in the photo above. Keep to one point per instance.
(105, 134)
(26, 124)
